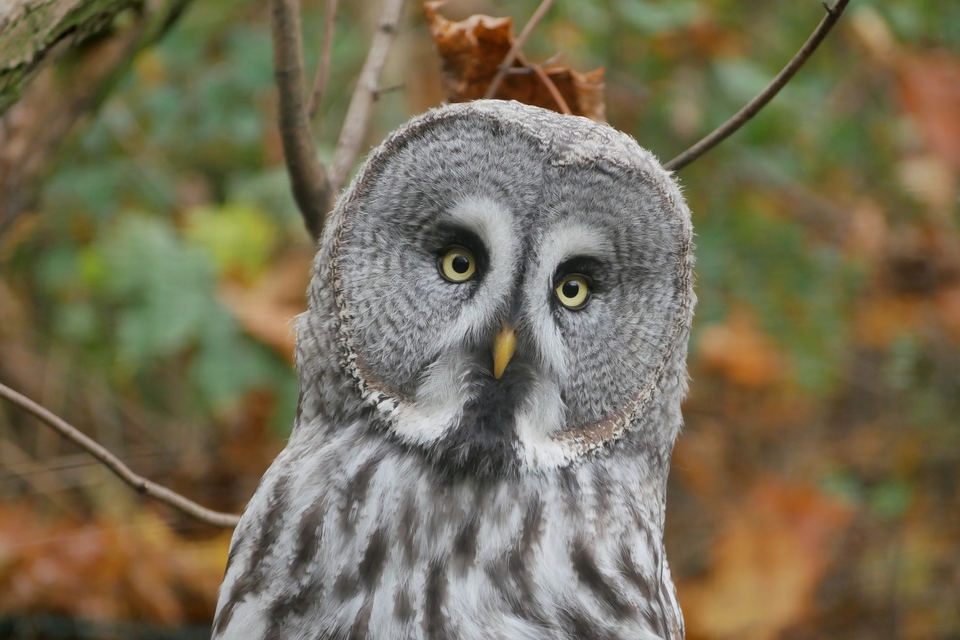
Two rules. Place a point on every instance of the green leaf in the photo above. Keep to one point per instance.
(164, 288)
(656, 17)
(890, 499)
(239, 237)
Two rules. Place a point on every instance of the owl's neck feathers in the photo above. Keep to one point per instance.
(395, 549)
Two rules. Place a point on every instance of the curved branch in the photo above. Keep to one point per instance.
(308, 178)
(358, 113)
(760, 101)
(122, 471)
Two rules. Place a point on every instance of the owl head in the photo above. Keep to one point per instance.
(503, 289)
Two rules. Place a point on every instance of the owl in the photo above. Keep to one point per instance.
(491, 369)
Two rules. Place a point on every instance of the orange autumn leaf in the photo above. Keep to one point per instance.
(741, 352)
(948, 311)
(107, 570)
(929, 88)
(880, 320)
(766, 564)
(473, 49)
(928, 84)
(267, 308)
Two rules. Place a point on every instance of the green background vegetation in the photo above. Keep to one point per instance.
(826, 351)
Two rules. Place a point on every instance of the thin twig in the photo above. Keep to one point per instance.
(323, 69)
(527, 68)
(308, 178)
(122, 471)
(385, 90)
(43, 481)
(361, 103)
(519, 71)
(517, 46)
(555, 58)
(760, 101)
(552, 88)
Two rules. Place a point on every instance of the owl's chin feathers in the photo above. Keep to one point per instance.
(470, 423)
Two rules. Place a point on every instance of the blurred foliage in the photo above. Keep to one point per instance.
(825, 411)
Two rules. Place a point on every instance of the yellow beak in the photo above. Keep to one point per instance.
(503, 345)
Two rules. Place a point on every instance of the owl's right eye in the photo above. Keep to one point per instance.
(457, 264)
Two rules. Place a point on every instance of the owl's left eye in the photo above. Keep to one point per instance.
(573, 292)
(458, 264)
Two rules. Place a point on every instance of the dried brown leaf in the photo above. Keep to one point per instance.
(472, 51)
(107, 570)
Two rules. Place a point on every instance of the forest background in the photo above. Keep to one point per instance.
(151, 258)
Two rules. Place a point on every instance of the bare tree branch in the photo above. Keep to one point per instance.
(760, 101)
(323, 69)
(122, 471)
(308, 177)
(517, 47)
(358, 114)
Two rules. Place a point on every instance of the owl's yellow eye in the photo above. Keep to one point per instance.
(458, 264)
(573, 291)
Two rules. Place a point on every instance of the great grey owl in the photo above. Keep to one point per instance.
(491, 370)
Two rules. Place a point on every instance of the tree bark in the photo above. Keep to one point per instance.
(34, 31)
(38, 106)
